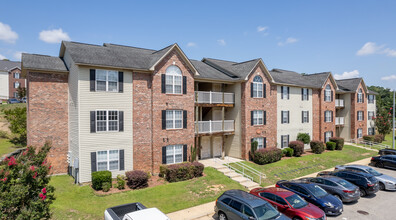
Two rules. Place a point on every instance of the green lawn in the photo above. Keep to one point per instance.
(6, 147)
(388, 140)
(312, 163)
(80, 202)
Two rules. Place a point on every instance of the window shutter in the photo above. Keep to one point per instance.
(281, 92)
(164, 155)
(362, 115)
(184, 118)
(265, 117)
(251, 140)
(302, 116)
(308, 116)
(93, 161)
(331, 133)
(288, 117)
(307, 94)
(331, 95)
(163, 90)
(331, 116)
(281, 117)
(287, 140)
(163, 119)
(324, 94)
(121, 121)
(251, 90)
(185, 152)
(122, 163)
(184, 84)
(324, 137)
(265, 142)
(325, 116)
(282, 141)
(92, 78)
(302, 93)
(120, 81)
(265, 90)
(362, 97)
(251, 118)
(357, 118)
(93, 121)
(288, 92)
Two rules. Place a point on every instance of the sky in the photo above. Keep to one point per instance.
(354, 38)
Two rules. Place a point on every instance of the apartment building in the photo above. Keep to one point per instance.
(10, 79)
(120, 108)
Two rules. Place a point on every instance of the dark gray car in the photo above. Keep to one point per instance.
(237, 204)
(340, 188)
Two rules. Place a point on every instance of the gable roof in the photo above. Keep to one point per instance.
(208, 72)
(350, 85)
(6, 65)
(292, 78)
(42, 62)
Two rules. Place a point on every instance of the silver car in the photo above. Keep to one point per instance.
(385, 182)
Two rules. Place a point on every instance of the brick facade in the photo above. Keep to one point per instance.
(48, 116)
(355, 107)
(12, 80)
(249, 104)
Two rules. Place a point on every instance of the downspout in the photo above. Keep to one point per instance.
(151, 112)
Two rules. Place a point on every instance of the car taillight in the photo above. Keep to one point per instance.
(370, 184)
(348, 191)
(276, 185)
(372, 158)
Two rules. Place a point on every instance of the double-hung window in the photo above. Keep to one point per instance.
(305, 117)
(371, 131)
(304, 93)
(260, 142)
(327, 94)
(16, 75)
(328, 136)
(257, 87)
(285, 117)
(285, 92)
(173, 80)
(174, 154)
(108, 160)
(258, 117)
(370, 115)
(371, 99)
(360, 96)
(360, 115)
(328, 116)
(359, 133)
(284, 141)
(16, 85)
(174, 119)
(106, 80)
(107, 120)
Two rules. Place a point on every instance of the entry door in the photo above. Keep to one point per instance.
(217, 146)
(205, 150)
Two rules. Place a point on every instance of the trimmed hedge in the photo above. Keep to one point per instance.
(331, 145)
(298, 148)
(120, 182)
(106, 186)
(339, 142)
(303, 137)
(183, 171)
(317, 146)
(137, 179)
(100, 177)
(369, 138)
(378, 138)
(288, 152)
(267, 155)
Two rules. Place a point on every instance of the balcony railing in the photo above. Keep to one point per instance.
(339, 102)
(339, 121)
(214, 97)
(207, 127)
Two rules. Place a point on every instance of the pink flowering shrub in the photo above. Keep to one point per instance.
(24, 189)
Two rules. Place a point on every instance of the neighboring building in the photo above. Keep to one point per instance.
(123, 108)
(10, 79)
(371, 111)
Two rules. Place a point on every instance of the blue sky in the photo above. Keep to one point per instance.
(349, 38)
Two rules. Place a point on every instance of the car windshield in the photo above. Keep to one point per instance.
(374, 172)
(345, 183)
(316, 190)
(266, 212)
(296, 201)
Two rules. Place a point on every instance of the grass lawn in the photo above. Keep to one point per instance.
(80, 202)
(6, 147)
(288, 169)
(388, 140)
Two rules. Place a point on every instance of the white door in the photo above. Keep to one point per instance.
(217, 146)
(205, 150)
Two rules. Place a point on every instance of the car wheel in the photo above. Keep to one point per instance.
(362, 192)
(296, 218)
(381, 186)
(379, 165)
(222, 216)
(338, 197)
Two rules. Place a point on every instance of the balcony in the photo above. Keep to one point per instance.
(339, 121)
(339, 103)
(214, 98)
(210, 127)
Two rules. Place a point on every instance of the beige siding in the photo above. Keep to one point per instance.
(232, 143)
(3, 85)
(93, 142)
(370, 107)
(345, 112)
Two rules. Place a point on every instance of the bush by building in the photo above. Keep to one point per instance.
(267, 155)
(331, 145)
(339, 142)
(137, 179)
(100, 177)
(288, 152)
(298, 148)
(120, 182)
(182, 171)
(378, 138)
(368, 138)
(304, 137)
(317, 146)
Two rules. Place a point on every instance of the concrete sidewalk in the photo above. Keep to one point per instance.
(206, 211)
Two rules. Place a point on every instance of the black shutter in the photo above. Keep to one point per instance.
(281, 117)
(325, 116)
(184, 84)
(287, 141)
(265, 142)
(265, 117)
(357, 116)
(362, 115)
(163, 119)
(302, 116)
(93, 161)
(163, 90)
(281, 92)
(308, 116)
(164, 155)
(92, 78)
(251, 118)
(121, 121)
(324, 135)
(185, 152)
(331, 116)
(282, 141)
(122, 163)
(331, 95)
(324, 94)
(302, 93)
(93, 121)
(184, 118)
(265, 90)
(307, 94)
(251, 90)
(288, 92)
(288, 117)
(362, 97)
(120, 81)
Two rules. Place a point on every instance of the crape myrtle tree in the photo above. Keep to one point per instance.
(24, 189)
(383, 121)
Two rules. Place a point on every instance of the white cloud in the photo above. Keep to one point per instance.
(221, 42)
(2, 57)
(6, 34)
(53, 36)
(261, 28)
(391, 77)
(347, 75)
(290, 40)
(191, 44)
(372, 48)
(18, 55)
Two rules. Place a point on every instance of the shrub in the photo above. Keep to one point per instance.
(304, 137)
(120, 182)
(267, 155)
(137, 179)
(100, 177)
(4, 134)
(378, 138)
(289, 152)
(317, 146)
(17, 119)
(106, 186)
(368, 138)
(163, 169)
(183, 171)
(331, 145)
(253, 148)
(298, 147)
(198, 168)
(339, 142)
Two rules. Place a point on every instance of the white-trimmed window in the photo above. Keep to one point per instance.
(106, 80)
(16, 95)
(258, 117)
(371, 99)
(305, 117)
(285, 92)
(284, 141)
(174, 119)
(360, 115)
(174, 154)
(305, 94)
(257, 87)
(370, 115)
(371, 131)
(328, 135)
(16, 75)
(359, 133)
(328, 116)
(108, 160)
(328, 93)
(173, 80)
(107, 120)
(285, 117)
(16, 85)
(260, 142)
(360, 96)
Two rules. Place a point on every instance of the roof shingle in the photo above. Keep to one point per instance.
(42, 62)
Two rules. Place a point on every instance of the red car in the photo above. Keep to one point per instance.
(289, 203)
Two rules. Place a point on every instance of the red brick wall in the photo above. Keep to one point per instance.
(355, 107)
(47, 116)
(316, 114)
(12, 80)
(249, 104)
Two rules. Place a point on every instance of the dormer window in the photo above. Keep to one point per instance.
(257, 87)
(360, 96)
(327, 93)
(16, 75)
(173, 80)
